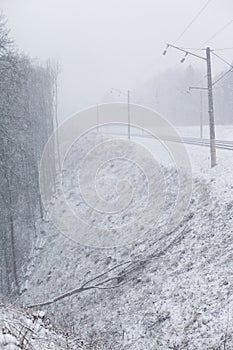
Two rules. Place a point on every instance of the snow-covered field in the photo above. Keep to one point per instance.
(174, 291)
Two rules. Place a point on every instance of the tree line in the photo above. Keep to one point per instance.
(168, 93)
(27, 118)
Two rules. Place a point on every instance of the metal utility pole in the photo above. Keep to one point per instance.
(201, 106)
(210, 95)
(211, 109)
(128, 106)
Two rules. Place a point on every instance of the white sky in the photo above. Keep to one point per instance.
(112, 43)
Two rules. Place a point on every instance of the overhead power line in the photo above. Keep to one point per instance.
(222, 59)
(227, 72)
(192, 48)
(224, 49)
(218, 32)
(213, 51)
(223, 76)
(210, 95)
(193, 20)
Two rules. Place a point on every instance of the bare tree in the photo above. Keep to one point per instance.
(27, 120)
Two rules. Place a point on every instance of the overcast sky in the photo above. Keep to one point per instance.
(113, 43)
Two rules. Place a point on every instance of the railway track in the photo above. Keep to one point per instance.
(220, 144)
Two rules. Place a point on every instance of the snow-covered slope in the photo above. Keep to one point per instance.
(22, 329)
(161, 292)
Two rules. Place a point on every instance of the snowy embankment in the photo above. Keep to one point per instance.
(223, 132)
(21, 329)
(176, 290)
(220, 176)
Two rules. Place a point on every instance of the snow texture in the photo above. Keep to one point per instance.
(177, 291)
(22, 329)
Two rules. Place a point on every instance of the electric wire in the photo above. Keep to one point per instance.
(218, 32)
(224, 49)
(222, 59)
(223, 76)
(193, 20)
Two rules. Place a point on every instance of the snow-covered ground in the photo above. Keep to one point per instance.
(175, 291)
(220, 176)
(21, 329)
(223, 132)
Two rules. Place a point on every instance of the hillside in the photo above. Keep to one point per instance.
(170, 291)
(23, 329)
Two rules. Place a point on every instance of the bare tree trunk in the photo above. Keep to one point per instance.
(7, 268)
(12, 236)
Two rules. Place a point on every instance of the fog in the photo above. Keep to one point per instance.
(107, 43)
(116, 223)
